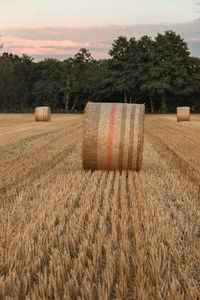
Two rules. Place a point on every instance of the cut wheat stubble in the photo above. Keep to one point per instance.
(100, 235)
(113, 136)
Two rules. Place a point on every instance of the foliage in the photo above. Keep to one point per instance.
(158, 72)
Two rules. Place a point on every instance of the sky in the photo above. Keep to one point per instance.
(59, 28)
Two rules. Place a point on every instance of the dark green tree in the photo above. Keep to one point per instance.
(119, 65)
(6, 71)
(21, 80)
(159, 72)
(81, 79)
(168, 72)
(49, 80)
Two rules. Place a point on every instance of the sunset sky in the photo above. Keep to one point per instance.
(58, 29)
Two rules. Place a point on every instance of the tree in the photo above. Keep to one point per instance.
(168, 71)
(132, 67)
(5, 82)
(67, 69)
(119, 65)
(49, 80)
(193, 83)
(1, 46)
(81, 85)
(144, 63)
(159, 72)
(21, 80)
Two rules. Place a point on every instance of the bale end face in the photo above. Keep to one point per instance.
(113, 136)
(183, 114)
(43, 113)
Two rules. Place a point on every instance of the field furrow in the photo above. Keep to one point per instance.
(73, 234)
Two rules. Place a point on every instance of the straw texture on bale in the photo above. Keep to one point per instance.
(113, 136)
(43, 113)
(183, 114)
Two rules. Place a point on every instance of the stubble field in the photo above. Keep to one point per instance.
(72, 234)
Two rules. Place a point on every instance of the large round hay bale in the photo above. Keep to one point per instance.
(113, 136)
(183, 113)
(43, 113)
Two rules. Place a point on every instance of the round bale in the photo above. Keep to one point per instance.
(43, 113)
(113, 136)
(183, 113)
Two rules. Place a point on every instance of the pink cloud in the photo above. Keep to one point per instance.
(13, 42)
(42, 47)
(17, 45)
(66, 40)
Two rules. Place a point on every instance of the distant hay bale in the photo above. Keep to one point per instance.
(43, 113)
(113, 136)
(183, 113)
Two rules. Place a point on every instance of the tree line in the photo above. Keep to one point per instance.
(159, 72)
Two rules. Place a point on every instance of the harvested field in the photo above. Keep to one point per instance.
(73, 234)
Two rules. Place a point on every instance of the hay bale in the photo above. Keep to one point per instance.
(113, 136)
(183, 113)
(43, 113)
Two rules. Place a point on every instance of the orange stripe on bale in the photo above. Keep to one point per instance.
(110, 135)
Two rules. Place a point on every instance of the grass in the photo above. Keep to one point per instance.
(73, 234)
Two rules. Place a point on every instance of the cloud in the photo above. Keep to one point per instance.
(52, 48)
(65, 41)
